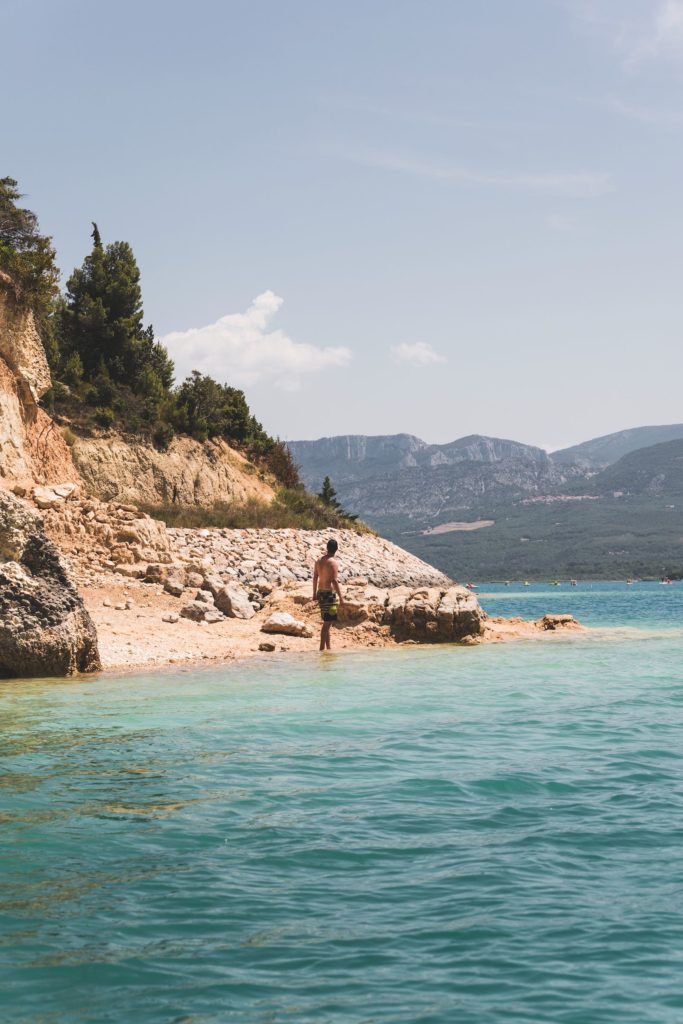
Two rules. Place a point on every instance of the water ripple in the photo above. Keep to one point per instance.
(407, 837)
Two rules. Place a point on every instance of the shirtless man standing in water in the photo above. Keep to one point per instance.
(325, 583)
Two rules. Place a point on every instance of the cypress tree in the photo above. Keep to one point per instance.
(101, 318)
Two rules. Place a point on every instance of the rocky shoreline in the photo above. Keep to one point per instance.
(160, 597)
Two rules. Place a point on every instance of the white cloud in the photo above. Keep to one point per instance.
(419, 354)
(580, 185)
(240, 350)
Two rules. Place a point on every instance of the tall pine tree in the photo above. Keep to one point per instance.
(101, 319)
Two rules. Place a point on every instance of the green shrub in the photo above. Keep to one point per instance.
(104, 416)
(163, 435)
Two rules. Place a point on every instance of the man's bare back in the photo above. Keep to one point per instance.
(327, 570)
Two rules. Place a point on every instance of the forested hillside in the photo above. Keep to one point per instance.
(110, 374)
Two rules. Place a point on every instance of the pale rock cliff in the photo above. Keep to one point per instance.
(32, 449)
(188, 473)
(20, 344)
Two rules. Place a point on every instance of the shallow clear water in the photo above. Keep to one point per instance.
(424, 835)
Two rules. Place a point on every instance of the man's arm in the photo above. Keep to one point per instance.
(315, 581)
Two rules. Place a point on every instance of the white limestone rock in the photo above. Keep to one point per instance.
(286, 624)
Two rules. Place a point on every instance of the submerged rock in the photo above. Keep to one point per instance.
(550, 622)
(45, 629)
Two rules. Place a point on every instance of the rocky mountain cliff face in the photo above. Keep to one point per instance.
(403, 477)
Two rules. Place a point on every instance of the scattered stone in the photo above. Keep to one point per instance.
(195, 611)
(174, 586)
(170, 617)
(283, 622)
(266, 646)
(52, 497)
(234, 602)
(194, 579)
(204, 596)
(106, 603)
(131, 572)
(213, 584)
(213, 615)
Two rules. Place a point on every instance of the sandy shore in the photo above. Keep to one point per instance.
(132, 635)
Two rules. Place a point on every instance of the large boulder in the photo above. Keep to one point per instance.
(44, 627)
(286, 624)
(234, 602)
(433, 615)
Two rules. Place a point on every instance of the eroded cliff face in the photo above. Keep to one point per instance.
(32, 449)
(20, 344)
(188, 473)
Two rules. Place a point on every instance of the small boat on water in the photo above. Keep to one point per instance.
(665, 580)
(471, 586)
(556, 583)
(573, 583)
(526, 583)
(629, 583)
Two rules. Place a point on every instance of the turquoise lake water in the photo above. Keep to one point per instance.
(434, 835)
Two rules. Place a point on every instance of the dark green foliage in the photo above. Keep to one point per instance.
(104, 417)
(113, 362)
(205, 408)
(101, 319)
(328, 496)
(108, 369)
(279, 462)
(28, 258)
(163, 435)
(72, 371)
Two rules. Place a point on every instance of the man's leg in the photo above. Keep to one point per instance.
(325, 636)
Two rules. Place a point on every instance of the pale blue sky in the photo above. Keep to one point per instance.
(468, 212)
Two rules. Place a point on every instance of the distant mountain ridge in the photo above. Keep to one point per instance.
(353, 456)
(606, 506)
(401, 475)
(656, 470)
(604, 451)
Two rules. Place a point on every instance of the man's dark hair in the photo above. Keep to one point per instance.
(332, 546)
